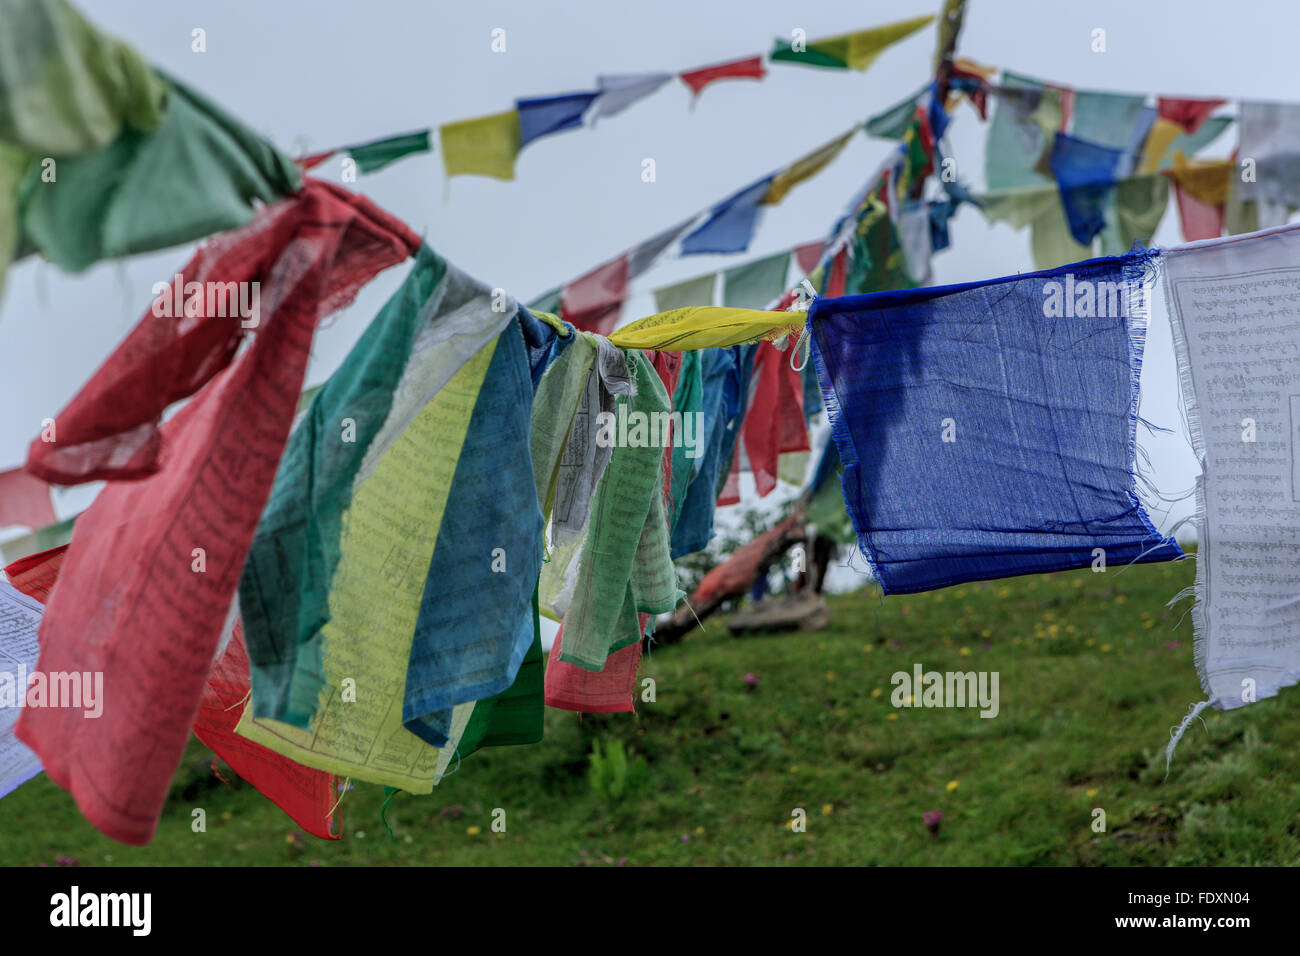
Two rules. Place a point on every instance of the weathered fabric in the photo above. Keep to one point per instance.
(65, 87)
(199, 172)
(720, 411)
(983, 436)
(1234, 306)
(183, 499)
(625, 565)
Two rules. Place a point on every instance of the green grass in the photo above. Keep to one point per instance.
(1093, 672)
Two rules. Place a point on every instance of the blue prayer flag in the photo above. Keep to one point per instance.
(1085, 173)
(731, 224)
(988, 429)
(544, 115)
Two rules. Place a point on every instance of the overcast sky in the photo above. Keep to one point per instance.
(314, 75)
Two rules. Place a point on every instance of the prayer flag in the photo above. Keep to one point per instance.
(987, 429)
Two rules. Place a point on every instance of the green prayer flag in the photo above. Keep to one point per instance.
(197, 174)
(65, 87)
(625, 566)
(894, 122)
(378, 154)
(756, 284)
(697, 291)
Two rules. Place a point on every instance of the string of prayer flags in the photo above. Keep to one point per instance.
(731, 223)
(483, 146)
(199, 172)
(20, 617)
(620, 90)
(1025, 450)
(746, 68)
(545, 115)
(850, 51)
(152, 626)
(24, 500)
(373, 156)
(1234, 314)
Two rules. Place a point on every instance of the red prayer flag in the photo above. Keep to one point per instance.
(155, 563)
(839, 274)
(1199, 220)
(594, 302)
(24, 500)
(306, 795)
(608, 691)
(311, 162)
(774, 423)
(750, 68)
(1189, 114)
(808, 255)
(35, 574)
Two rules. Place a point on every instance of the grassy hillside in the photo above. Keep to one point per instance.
(1093, 672)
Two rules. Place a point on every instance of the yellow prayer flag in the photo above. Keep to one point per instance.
(1206, 180)
(1163, 133)
(805, 168)
(859, 50)
(484, 146)
(703, 327)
